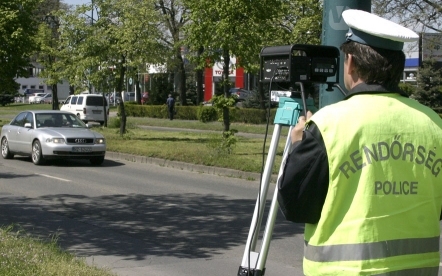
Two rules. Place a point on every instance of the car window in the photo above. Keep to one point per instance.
(19, 120)
(80, 100)
(67, 100)
(58, 120)
(95, 101)
(29, 119)
(74, 100)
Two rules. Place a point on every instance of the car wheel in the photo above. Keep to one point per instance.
(6, 154)
(97, 160)
(101, 123)
(37, 154)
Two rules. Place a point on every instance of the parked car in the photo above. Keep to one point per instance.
(240, 94)
(46, 98)
(49, 134)
(35, 98)
(88, 107)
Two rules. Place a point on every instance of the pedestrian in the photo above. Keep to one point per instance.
(145, 98)
(170, 102)
(364, 173)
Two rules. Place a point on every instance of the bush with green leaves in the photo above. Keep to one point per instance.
(207, 114)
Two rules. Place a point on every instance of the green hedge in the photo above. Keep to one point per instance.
(201, 113)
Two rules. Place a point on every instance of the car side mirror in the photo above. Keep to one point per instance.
(28, 125)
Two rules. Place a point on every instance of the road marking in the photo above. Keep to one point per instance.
(58, 178)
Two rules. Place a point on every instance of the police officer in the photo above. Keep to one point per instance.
(364, 173)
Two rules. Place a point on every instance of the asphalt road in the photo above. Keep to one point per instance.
(140, 218)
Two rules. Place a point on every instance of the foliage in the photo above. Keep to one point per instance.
(159, 88)
(104, 50)
(429, 89)
(21, 254)
(173, 18)
(201, 113)
(17, 33)
(407, 88)
(207, 114)
(220, 103)
(302, 22)
(222, 146)
(238, 28)
(424, 14)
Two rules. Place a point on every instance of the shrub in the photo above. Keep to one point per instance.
(207, 114)
(201, 113)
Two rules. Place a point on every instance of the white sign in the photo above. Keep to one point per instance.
(432, 46)
(275, 95)
(218, 68)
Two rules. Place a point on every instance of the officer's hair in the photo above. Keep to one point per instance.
(376, 65)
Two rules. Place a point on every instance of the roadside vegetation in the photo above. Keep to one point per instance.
(22, 255)
(183, 143)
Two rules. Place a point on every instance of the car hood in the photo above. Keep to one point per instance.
(71, 132)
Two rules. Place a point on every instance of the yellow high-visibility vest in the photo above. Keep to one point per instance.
(381, 214)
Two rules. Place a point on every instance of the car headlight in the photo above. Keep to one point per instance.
(100, 141)
(55, 140)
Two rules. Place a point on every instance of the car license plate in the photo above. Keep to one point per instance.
(81, 149)
(96, 111)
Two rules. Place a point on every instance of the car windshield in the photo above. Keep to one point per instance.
(58, 120)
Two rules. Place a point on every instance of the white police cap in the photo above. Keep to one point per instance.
(369, 29)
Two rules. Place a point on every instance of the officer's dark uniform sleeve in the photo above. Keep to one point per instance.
(303, 186)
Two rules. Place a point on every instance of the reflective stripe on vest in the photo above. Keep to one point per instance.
(423, 271)
(367, 251)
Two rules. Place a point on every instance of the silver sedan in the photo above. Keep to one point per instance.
(50, 134)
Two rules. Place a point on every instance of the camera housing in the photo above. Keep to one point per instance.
(288, 65)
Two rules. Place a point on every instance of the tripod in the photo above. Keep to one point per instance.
(287, 114)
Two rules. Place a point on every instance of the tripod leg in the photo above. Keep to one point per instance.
(253, 263)
(250, 257)
(273, 212)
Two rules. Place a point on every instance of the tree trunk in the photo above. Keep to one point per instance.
(105, 106)
(182, 78)
(199, 81)
(226, 86)
(55, 105)
(120, 90)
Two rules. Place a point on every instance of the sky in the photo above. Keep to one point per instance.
(76, 2)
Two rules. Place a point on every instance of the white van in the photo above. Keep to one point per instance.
(88, 107)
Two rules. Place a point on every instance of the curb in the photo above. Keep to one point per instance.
(186, 166)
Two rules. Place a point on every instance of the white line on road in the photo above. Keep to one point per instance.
(58, 178)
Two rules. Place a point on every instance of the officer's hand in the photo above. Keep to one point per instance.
(296, 134)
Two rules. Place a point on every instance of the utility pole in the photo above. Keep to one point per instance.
(333, 34)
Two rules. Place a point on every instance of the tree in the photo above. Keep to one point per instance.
(47, 55)
(231, 28)
(415, 14)
(173, 14)
(429, 88)
(123, 38)
(17, 33)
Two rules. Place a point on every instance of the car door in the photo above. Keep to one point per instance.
(25, 134)
(14, 130)
(67, 105)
